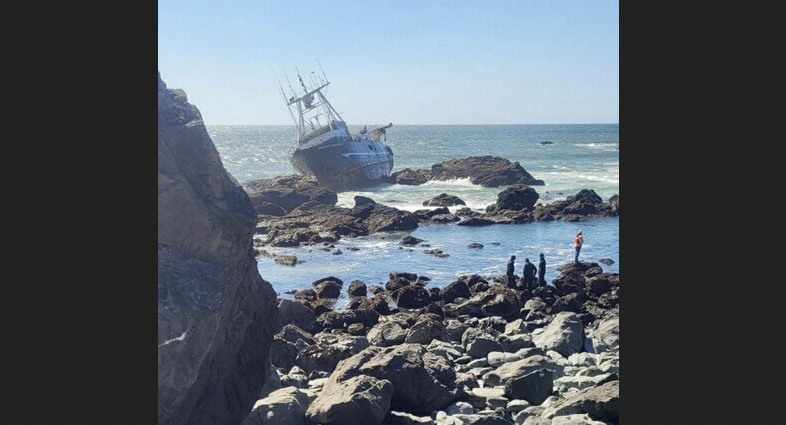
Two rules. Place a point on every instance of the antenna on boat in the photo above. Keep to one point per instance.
(323, 71)
(302, 84)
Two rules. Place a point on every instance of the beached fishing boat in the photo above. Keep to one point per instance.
(327, 150)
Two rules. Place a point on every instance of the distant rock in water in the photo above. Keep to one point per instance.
(475, 245)
(444, 200)
(546, 142)
(487, 171)
(586, 203)
(410, 240)
(287, 193)
(216, 315)
(606, 261)
(363, 200)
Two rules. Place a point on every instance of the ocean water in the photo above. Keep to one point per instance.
(580, 156)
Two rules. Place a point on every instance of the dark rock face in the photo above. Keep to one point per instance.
(443, 200)
(412, 296)
(357, 289)
(534, 387)
(487, 171)
(363, 200)
(475, 221)
(288, 193)
(586, 203)
(516, 197)
(304, 227)
(455, 290)
(410, 241)
(216, 315)
(328, 287)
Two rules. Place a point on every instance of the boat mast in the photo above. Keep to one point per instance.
(313, 102)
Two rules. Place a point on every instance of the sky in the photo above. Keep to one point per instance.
(406, 62)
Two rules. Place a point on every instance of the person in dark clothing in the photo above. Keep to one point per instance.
(542, 270)
(509, 274)
(528, 274)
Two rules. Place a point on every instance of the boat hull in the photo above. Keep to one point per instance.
(343, 163)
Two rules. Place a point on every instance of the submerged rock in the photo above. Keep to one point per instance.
(487, 171)
(444, 200)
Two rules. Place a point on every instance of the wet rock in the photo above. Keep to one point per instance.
(487, 171)
(286, 406)
(289, 192)
(504, 303)
(444, 200)
(585, 203)
(475, 245)
(410, 241)
(360, 400)
(517, 197)
(363, 200)
(266, 208)
(412, 297)
(216, 315)
(475, 221)
(534, 387)
(342, 319)
(455, 290)
(437, 253)
(357, 289)
(410, 177)
(328, 287)
(286, 260)
(606, 261)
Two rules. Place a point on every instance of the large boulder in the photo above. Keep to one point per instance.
(517, 197)
(298, 314)
(453, 290)
(288, 192)
(565, 334)
(328, 287)
(216, 315)
(385, 334)
(412, 296)
(518, 368)
(443, 200)
(427, 329)
(360, 400)
(534, 387)
(422, 381)
(487, 171)
(286, 406)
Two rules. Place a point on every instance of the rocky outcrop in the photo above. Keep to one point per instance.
(487, 171)
(444, 200)
(361, 400)
(585, 203)
(287, 193)
(216, 315)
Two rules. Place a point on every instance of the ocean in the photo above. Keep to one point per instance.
(580, 156)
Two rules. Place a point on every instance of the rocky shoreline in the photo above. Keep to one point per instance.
(295, 210)
(480, 350)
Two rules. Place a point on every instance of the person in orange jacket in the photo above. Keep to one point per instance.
(578, 241)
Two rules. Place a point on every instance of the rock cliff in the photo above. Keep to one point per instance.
(216, 315)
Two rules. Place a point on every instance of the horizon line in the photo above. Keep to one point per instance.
(573, 123)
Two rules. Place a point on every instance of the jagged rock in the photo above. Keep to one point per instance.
(289, 192)
(286, 406)
(298, 315)
(534, 387)
(286, 260)
(444, 200)
(427, 329)
(565, 334)
(570, 302)
(475, 221)
(357, 289)
(216, 315)
(385, 334)
(481, 346)
(412, 297)
(422, 381)
(517, 197)
(503, 303)
(362, 200)
(498, 358)
(603, 401)
(292, 333)
(410, 241)
(585, 203)
(328, 287)
(410, 177)
(510, 370)
(321, 357)
(514, 343)
(360, 400)
(455, 290)
(608, 335)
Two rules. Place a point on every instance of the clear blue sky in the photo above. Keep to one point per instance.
(409, 62)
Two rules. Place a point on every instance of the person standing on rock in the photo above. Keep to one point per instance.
(542, 270)
(509, 274)
(528, 274)
(578, 241)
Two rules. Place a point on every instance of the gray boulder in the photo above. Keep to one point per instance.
(565, 334)
(286, 406)
(360, 400)
(508, 371)
(534, 387)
